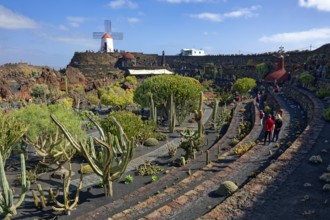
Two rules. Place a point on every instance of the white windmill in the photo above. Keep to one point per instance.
(107, 38)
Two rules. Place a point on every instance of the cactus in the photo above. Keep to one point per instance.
(41, 201)
(171, 114)
(214, 113)
(183, 161)
(199, 116)
(68, 204)
(115, 154)
(153, 110)
(226, 188)
(208, 157)
(7, 206)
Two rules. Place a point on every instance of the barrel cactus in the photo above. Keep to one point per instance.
(150, 142)
(226, 188)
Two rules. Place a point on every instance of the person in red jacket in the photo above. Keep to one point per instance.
(269, 126)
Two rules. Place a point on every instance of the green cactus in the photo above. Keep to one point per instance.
(199, 116)
(117, 151)
(68, 204)
(226, 188)
(215, 113)
(41, 201)
(153, 110)
(171, 114)
(7, 206)
(190, 142)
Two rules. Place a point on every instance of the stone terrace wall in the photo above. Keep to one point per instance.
(323, 83)
(304, 100)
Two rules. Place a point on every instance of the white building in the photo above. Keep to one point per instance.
(192, 52)
(106, 43)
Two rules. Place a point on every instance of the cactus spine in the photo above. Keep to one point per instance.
(153, 110)
(199, 116)
(171, 114)
(117, 151)
(68, 204)
(7, 206)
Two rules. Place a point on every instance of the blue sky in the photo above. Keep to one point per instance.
(48, 32)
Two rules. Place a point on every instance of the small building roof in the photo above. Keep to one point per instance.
(149, 72)
(128, 56)
(106, 35)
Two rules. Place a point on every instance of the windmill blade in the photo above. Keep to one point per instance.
(97, 35)
(107, 26)
(117, 35)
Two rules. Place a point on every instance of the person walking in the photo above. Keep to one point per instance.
(269, 125)
(261, 116)
(277, 129)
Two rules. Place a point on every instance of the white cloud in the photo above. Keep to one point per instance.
(209, 17)
(133, 20)
(63, 27)
(12, 20)
(217, 17)
(244, 12)
(123, 3)
(317, 34)
(322, 5)
(75, 21)
(186, 1)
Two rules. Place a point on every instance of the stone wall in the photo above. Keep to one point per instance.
(303, 98)
(323, 83)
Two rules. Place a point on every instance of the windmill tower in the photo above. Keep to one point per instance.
(107, 37)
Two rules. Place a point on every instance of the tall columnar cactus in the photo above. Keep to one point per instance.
(117, 151)
(153, 110)
(7, 206)
(171, 114)
(199, 116)
(215, 112)
(68, 204)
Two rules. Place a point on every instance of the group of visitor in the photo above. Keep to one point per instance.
(272, 122)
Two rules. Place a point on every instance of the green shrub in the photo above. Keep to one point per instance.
(326, 114)
(150, 142)
(325, 177)
(161, 136)
(322, 92)
(148, 169)
(128, 179)
(226, 188)
(315, 159)
(86, 169)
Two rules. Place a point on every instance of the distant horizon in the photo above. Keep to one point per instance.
(58, 68)
(49, 32)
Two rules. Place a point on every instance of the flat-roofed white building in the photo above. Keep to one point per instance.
(192, 52)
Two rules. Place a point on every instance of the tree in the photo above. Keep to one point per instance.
(43, 134)
(11, 130)
(261, 70)
(243, 85)
(117, 97)
(185, 92)
(40, 91)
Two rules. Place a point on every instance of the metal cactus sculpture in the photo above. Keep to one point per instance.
(199, 116)
(117, 151)
(68, 204)
(7, 205)
(171, 114)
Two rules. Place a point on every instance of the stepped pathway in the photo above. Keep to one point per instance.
(143, 204)
(254, 194)
(193, 196)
